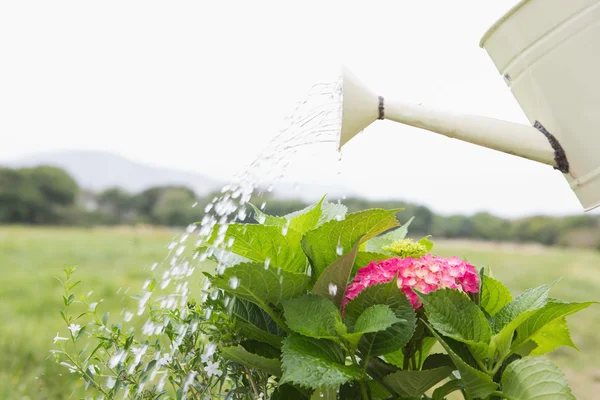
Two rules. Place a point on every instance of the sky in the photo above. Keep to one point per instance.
(203, 86)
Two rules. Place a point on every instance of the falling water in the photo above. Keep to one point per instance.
(315, 122)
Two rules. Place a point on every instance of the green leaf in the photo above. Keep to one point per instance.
(334, 279)
(552, 311)
(288, 392)
(477, 384)
(261, 286)
(378, 317)
(454, 315)
(313, 316)
(325, 394)
(241, 356)
(307, 219)
(529, 300)
(322, 244)
(427, 243)
(451, 386)
(511, 316)
(396, 336)
(266, 219)
(330, 211)
(255, 323)
(300, 221)
(315, 363)
(552, 336)
(533, 378)
(259, 243)
(416, 383)
(376, 244)
(494, 295)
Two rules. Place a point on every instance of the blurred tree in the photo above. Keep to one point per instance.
(174, 207)
(117, 203)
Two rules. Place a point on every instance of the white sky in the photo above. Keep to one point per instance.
(204, 85)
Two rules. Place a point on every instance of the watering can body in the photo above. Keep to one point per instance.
(548, 52)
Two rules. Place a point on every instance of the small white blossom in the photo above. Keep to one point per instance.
(212, 369)
(74, 328)
(58, 338)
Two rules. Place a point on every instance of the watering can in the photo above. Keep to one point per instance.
(548, 52)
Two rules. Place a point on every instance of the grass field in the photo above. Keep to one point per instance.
(113, 259)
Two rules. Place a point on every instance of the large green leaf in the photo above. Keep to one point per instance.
(552, 336)
(326, 243)
(551, 311)
(533, 378)
(256, 324)
(241, 356)
(289, 392)
(313, 316)
(333, 281)
(331, 211)
(300, 221)
(397, 357)
(315, 363)
(378, 317)
(454, 315)
(416, 383)
(476, 383)
(376, 244)
(261, 286)
(260, 242)
(266, 219)
(511, 316)
(396, 336)
(307, 219)
(529, 300)
(494, 295)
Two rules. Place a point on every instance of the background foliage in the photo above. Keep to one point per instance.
(48, 195)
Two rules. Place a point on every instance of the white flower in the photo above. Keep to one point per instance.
(74, 328)
(205, 358)
(72, 368)
(212, 369)
(58, 338)
(92, 369)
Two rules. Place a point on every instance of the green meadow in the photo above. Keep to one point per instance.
(114, 263)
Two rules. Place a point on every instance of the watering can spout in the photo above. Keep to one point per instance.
(361, 107)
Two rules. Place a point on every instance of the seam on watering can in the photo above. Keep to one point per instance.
(560, 157)
(381, 108)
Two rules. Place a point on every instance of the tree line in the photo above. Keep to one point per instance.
(49, 195)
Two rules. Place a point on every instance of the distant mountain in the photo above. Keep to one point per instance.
(98, 170)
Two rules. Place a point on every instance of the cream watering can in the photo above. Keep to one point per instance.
(548, 52)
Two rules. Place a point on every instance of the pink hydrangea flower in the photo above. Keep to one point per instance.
(424, 274)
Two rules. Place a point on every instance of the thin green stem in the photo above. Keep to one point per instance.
(254, 387)
(363, 390)
(482, 366)
(80, 368)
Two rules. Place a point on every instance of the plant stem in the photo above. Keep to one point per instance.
(363, 390)
(254, 387)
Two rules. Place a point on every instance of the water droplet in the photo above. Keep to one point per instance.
(339, 249)
(332, 289)
(321, 394)
(234, 282)
(208, 207)
(263, 205)
(267, 262)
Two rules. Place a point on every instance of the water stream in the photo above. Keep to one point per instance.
(315, 123)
